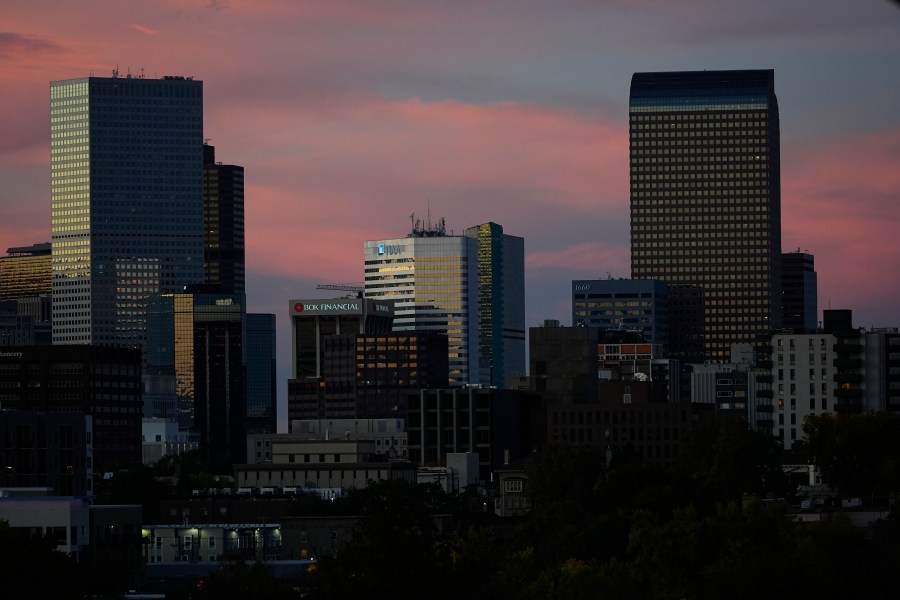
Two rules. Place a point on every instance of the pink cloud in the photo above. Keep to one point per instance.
(142, 29)
(841, 202)
(359, 173)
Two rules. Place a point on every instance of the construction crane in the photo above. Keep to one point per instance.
(357, 288)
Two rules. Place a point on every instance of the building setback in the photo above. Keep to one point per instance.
(705, 195)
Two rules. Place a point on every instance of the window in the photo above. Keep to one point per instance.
(212, 541)
(513, 485)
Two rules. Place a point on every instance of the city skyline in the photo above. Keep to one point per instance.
(348, 117)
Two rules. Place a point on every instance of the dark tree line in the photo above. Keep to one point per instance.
(714, 525)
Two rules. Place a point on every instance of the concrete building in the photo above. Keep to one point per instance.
(388, 436)
(498, 425)
(101, 382)
(313, 320)
(369, 376)
(47, 450)
(323, 464)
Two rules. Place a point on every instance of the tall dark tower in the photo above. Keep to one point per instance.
(706, 196)
(799, 292)
(223, 223)
(126, 157)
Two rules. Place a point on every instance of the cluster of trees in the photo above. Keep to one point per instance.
(713, 525)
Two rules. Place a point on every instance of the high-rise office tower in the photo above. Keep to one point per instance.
(197, 339)
(260, 364)
(469, 287)
(706, 195)
(501, 303)
(799, 292)
(127, 201)
(223, 223)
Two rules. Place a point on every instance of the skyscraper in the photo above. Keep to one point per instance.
(706, 195)
(501, 303)
(223, 223)
(469, 287)
(127, 201)
(799, 292)
(197, 339)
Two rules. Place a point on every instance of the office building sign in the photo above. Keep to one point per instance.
(331, 307)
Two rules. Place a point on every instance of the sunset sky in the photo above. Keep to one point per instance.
(348, 117)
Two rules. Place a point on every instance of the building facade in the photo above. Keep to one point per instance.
(312, 320)
(197, 340)
(47, 450)
(127, 201)
(501, 304)
(223, 223)
(469, 287)
(799, 290)
(102, 382)
(369, 376)
(629, 304)
(706, 195)
(496, 424)
(260, 365)
(25, 272)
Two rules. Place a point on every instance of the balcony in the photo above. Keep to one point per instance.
(852, 393)
(766, 424)
(765, 408)
(764, 378)
(844, 408)
(765, 394)
(764, 364)
(848, 378)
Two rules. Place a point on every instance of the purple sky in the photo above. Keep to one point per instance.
(350, 116)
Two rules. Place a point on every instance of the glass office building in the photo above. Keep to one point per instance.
(706, 196)
(469, 287)
(197, 339)
(260, 361)
(25, 272)
(127, 201)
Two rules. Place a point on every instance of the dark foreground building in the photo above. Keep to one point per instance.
(102, 382)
